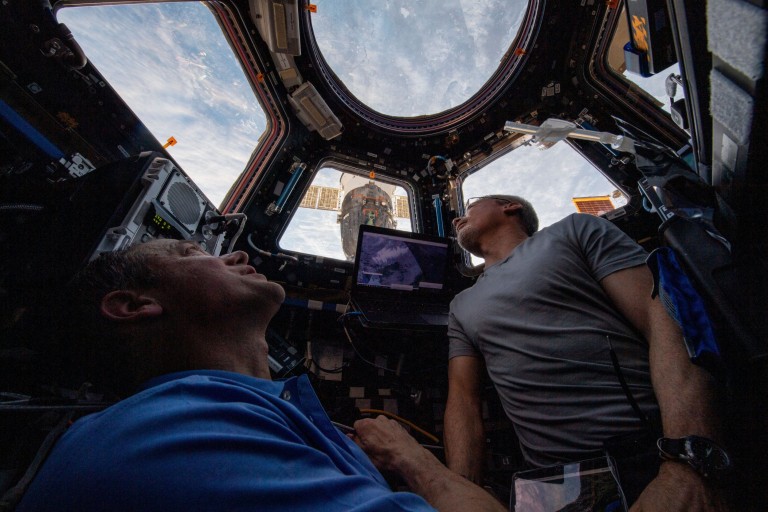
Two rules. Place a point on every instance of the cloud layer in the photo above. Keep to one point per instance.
(178, 74)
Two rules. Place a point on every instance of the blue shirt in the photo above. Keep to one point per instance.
(212, 440)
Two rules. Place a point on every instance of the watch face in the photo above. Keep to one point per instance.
(707, 456)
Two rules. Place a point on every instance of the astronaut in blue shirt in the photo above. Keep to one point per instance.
(204, 428)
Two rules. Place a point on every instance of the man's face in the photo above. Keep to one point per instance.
(196, 284)
(481, 215)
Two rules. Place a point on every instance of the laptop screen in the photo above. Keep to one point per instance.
(399, 260)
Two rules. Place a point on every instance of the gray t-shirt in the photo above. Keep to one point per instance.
(540, 320)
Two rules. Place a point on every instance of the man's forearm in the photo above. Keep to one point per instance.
(687, 394)
(464, 439)
(391, 448)
(442, 488)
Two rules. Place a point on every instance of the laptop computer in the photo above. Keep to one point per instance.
(399, 279)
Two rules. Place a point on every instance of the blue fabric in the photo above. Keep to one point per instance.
(685, 305)
(207, 441)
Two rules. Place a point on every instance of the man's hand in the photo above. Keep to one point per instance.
(391, 448)
(678, 488)
(387, 443)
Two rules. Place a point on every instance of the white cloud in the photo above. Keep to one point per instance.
(181, 83)
(431, 59)
(314, 232)
(549, 179)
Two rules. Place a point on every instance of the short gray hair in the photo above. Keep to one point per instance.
(120, 270)
(94, 347)
(528, 217)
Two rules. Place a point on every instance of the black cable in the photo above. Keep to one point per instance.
(349, 338)
(620, 375)
(325, 370)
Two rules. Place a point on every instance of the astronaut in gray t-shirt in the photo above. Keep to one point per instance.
(539, 319)
(554, 373)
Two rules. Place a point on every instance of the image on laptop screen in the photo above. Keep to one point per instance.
(400, 263)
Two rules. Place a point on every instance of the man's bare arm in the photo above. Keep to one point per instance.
(391, 448)
(686, 393)
(463, 424)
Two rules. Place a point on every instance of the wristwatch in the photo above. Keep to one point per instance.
(702, 454)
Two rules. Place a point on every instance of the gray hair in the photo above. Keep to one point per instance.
(119, 270)
(95, 348)
(528, 217)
